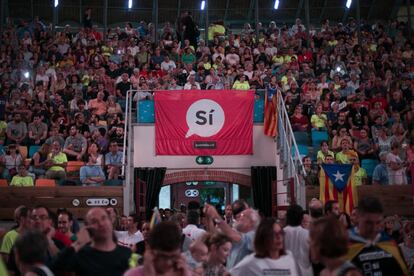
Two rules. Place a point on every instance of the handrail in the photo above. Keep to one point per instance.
(293, 166)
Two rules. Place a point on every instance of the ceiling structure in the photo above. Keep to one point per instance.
(233, 12)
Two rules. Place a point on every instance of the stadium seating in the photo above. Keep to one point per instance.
(318, 137)
(301, 137)
(33, 150)
(369, 165)
(3, 183)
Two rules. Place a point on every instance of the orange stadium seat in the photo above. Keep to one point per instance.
(3, 183)
(42, 182)
(74, 166)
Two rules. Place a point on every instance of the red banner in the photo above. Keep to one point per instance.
(207, 122)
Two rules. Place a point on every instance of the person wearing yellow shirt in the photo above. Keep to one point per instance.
(360, 175)
(319, 120)
(216, 29)
(56, 161)
(241, 84)
(21, 179)
(323, 153)
(344, 156)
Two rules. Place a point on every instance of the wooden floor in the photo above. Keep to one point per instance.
(396, 199)
(59, 197)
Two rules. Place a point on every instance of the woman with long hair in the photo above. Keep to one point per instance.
(329, 245)
(269, 253)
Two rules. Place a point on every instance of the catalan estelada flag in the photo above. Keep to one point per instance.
(336, 183)
(270, 114)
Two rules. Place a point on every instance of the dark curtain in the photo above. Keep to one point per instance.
(262, 178)
(152, 179)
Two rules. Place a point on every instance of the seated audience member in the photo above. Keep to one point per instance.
(269, 253)
(360, 174)
(163, 255)
(311, 178)
(75, 145)
(346, 153)
(299, 121)
(98, 106)
(39, 160)
(99, 137)
(329, 245)
(56, 163)
(323, 152)
(380, 174)
(364, 145)
(37, 131)
(12, 160)
(113, 161)
(396, 166)
(91, 174)
(16, 131)
(94, 245)
(54, 135)
(22, 179)
(342, 134)
(319, 120)
(367, 239)
(93, 150)
(407, 246)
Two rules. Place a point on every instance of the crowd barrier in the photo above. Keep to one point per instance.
(396, 199)
(77, 200)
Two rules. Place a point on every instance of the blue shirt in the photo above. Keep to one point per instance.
(380, 174)
(90, 171)
(113, 159)
(241, 249)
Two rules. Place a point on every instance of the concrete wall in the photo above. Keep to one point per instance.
(264, 154)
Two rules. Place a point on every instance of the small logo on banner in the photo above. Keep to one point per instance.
(204, 118)
(191, 193)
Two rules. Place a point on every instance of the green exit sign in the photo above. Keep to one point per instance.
(204, 160)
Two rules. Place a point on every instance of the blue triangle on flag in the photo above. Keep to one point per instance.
(338, 174)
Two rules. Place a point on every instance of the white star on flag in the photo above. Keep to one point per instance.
(339, 176)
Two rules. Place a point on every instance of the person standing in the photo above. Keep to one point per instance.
(296, 239)
(270, 256)
(95, 252)
(370, 249)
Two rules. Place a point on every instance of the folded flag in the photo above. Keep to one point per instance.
(336, 183)
(156, 218)
(270, 113)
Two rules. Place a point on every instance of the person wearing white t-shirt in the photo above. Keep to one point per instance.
(132, 236)
(269, 257)
(296, 239)
(191, 230)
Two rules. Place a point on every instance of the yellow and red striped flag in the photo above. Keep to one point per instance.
(336, 183)
(270, 113)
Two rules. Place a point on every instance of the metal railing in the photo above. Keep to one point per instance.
(290, 158)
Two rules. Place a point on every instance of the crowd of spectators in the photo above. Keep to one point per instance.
(202, 241)
(69, 87)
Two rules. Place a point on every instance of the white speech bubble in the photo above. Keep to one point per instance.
(204, 118)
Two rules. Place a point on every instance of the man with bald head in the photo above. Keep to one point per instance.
(95, 252)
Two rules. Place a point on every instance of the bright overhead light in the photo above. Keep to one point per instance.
(56, 3)
(276, 5)
(26, 74)
(348, 3)
(129, 4)
(203, 5)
